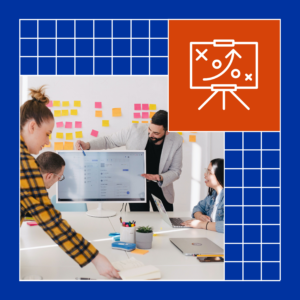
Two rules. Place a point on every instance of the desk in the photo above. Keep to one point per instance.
(39, 255)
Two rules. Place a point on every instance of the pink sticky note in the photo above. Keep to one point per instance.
(78, 124)
(94, 133)
(33, 223)
(136, 115)
(137, 106)
(50, 104)
(68, 125)
(145, 106)
(145, 115)
(59, 124)
(98, 104)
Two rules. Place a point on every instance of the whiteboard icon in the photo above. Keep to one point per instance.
(224, 66)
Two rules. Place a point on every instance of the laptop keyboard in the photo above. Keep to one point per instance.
(176, 222)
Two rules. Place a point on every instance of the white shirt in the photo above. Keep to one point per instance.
(214, 212)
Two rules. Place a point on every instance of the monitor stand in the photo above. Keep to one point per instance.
(101, 213)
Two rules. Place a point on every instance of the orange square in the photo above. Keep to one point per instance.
(229, 73)
(144, 121)
(151, 114)
(98, 113)
(192, 138)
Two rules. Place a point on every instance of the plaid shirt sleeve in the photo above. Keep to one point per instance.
(35, 201)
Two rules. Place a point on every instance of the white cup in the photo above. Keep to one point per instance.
(127, 234)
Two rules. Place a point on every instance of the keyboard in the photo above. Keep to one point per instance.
(176, 222)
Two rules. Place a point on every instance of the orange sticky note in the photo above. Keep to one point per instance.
(69, 146)
(192, 138)
(105, 123)
(49, 145)
(135, 121)
(56, 103)
(151, 114)
(59, 135)
(78, 134)
(116, 112)
(58, 146)
(64, 112)
(65, 103)
(57, 113)
(139, 251)
(144, 121)
(180, 133)
(77, 103)
(98, 113)
(152, 106)
(73, 112)
(69, 136)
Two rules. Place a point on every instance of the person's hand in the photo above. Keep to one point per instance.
(194, 224)
(85, 146)
(151, 177)
(104, 267)
(199, 216)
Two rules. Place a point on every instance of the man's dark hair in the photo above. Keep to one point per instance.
(161, 118)
(50, 162)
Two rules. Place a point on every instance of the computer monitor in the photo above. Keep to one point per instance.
(103, 176)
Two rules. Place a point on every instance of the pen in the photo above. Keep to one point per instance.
(82, 150)
(120, 219)
(210, 255)
(84, 278)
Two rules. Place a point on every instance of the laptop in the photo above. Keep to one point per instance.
(174, 222)
(197, 246)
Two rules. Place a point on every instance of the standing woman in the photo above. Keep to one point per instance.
(209, 212)
(37, 123)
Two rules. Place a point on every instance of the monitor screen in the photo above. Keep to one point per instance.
(106, 176)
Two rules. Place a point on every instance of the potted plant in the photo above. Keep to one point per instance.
(144, 237)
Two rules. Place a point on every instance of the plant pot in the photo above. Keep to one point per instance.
(144, 240)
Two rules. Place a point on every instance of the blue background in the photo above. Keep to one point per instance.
(10, 15)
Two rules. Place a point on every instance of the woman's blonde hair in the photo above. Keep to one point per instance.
(36, 107)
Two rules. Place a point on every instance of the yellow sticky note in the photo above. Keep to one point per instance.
(64, 112)
(180, 133)
(139, 251)
(98, 113)
(73, 112)
(69, 136)
(57, 113)
(77, 103)
(65, 103)
(56, 103)
(135, 121)
(50, 136)
(49, 145)
(69, 146)
(152, 106)
(58, 146)
(144, 121)
(105, 123)
(59, 135)
(116, 112)
(192, 138)
(78, 134)
(151, 114)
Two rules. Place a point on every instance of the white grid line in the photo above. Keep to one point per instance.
(243, 221)
(37, 43)
(261, 213)
(112, 48)
(74, 47)
(94, 47)
(56, 47)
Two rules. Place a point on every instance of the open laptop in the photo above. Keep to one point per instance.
(197, 246)
(174, 222)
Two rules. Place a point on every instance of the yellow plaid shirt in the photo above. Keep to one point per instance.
(35, 201)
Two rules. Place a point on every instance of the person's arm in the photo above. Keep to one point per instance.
(213, 226)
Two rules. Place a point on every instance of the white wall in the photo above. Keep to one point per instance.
(124, 92)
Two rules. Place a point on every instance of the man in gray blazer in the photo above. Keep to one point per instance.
(163, 156)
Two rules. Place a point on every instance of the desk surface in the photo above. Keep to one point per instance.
(39, 255)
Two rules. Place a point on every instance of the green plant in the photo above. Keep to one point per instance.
(144, 229)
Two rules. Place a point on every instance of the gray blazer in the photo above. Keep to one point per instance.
(135, 138)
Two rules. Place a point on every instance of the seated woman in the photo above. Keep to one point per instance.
(209, 213)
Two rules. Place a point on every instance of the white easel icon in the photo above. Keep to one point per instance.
(235, 73)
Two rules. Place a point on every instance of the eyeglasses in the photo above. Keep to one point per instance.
(208, 172)
(61, 178)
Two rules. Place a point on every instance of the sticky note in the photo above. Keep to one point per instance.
(59, 124)
(135, 121)
(68, 125)
(73, 112)
(56, 103)
(65, 103)
(98, 104)
(192, 138)
(194, 132)
(69, 146)
(137, 106)
(64, 112)
(57, 113)
(78, 124)
(144, 121)
(151, 114)
(69, 136)
(77, 103)
(98, 113)
(58, 146)
(78, 134)
(139, 251)
(152, 106)
(50, 136)
(49, 145)
(94, 133)
(59, 135)
(105, 123)
(136, 115)
(145, 115)
(50, 104)
(145, 106)
(116, 112)
(180, 133)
